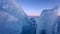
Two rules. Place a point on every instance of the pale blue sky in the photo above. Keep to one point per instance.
(34, 7)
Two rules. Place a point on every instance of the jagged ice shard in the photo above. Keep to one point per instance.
(47, 21)
(12, 17)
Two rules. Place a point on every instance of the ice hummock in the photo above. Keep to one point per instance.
(46, 23)
(12, 18)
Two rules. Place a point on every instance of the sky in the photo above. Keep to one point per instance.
(35, 7)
